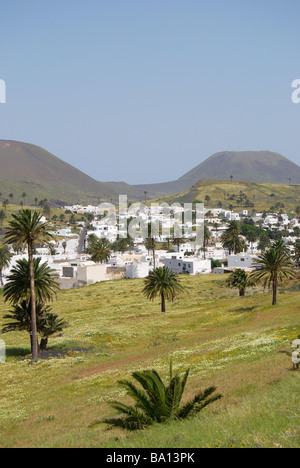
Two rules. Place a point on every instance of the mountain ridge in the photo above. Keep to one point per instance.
(256, 166)
(28, 168)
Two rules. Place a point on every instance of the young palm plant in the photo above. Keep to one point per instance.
(24, 230)
(48, 323)
(156, 402)
(241, 280)
(162, 282)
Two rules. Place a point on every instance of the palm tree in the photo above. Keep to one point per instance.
(150, 241)
(24, 195)
(156, 402)
(48, 323)
(5, 204)
(20, 317)
(273, 266)
(206, 239)
(297, 252)
(100, 251)
(2, 218)
(17, 287)
(162, 282)
(231, 239)
(25, 229)
(251, 238)
(5, 257)
(241, 280)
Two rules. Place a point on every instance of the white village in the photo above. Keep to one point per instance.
(69, 257)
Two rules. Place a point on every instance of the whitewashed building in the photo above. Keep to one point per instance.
(192, 265)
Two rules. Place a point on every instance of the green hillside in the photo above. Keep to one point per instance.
(233, 343)
(239, 195)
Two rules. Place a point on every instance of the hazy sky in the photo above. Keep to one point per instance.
(144, 90)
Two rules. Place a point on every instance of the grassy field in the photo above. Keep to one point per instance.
(263, 196)
(231, 342)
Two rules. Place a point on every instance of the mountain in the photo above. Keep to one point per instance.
(30, 169)
(256, 166)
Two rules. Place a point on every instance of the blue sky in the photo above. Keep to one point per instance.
(145, 90)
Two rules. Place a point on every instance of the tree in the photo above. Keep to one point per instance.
(231, 239)
(150, 241)
(2, 218)
(252, 237)
(297, 252)
(24, 230)
(162, 282)
(156, 402)
(99, 249)
(5, 258)
(17, 287)
(5, 204)
(206, 239)
(48, 323)
(273, 266)
(24, 195)
(241, 280)
(264, 242)
(123, 244)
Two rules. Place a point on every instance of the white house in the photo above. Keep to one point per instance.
(241, 261)
(192, 266)
(137, 270)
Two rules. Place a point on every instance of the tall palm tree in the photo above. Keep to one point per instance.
(162, 282)
(206, 239)
(24, 195)
(157, 402)
(251, 238)
(2, 218)
(5, 257)
(24, 230)
(273, 266)
(17, 287)
(297, 252)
